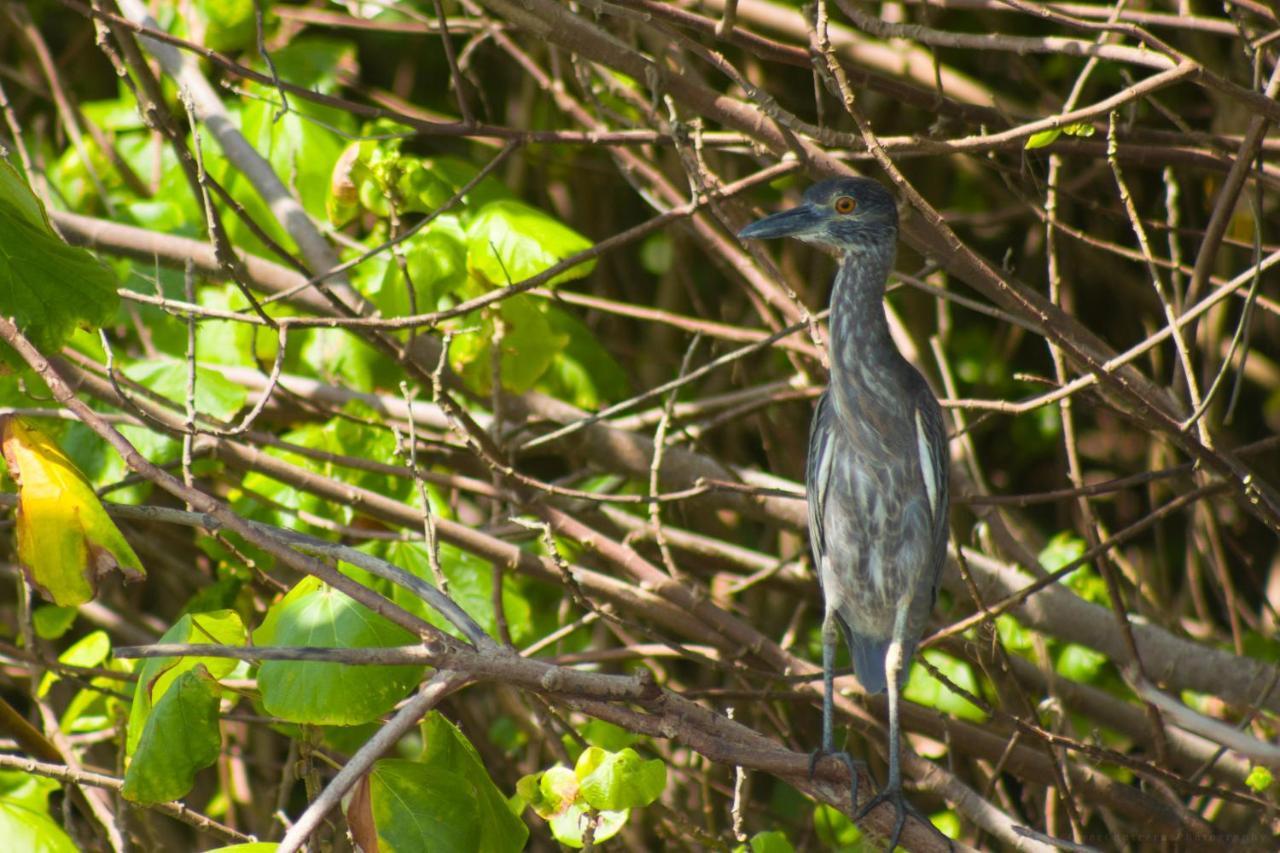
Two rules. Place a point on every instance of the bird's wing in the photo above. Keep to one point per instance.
(935, 470)
(817, 476)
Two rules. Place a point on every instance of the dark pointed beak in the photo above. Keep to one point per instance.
(789, 223)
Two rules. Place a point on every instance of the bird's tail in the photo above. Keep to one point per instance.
(868, 658)
(868, 661)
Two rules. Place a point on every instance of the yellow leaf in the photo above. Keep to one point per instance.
(66, 541)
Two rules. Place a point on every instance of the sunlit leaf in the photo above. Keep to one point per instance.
(89, 651)
(619, 780)
(1259, 778)
(1043, 138)
(314, 614)
(51, 621)
(923, 688)
(509, 241)
(773, 841)
(214, 394)
(25, 821)
(470, 581)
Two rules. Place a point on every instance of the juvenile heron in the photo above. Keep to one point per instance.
(877, 472)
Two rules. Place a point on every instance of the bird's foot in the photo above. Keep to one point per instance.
(902, 810)
(815, 758)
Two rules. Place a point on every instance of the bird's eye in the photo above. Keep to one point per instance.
(845, 204)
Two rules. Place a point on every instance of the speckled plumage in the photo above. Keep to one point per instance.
(877, 472)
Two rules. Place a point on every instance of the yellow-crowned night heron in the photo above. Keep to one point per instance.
(876, 476)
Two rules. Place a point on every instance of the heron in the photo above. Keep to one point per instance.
(876, 477)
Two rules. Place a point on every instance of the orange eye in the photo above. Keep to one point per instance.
(845, 204)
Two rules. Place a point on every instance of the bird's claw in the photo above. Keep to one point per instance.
(847, 760)
(902, 808)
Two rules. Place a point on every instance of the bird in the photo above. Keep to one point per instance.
(876, 476)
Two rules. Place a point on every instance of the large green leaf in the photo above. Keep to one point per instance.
(46, 287)
(180, 737)
(509, 241)
(314, 614)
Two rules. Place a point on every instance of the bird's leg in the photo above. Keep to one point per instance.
(894, 663)
(830, 636)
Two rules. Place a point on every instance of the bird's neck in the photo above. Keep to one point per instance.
(862, 350)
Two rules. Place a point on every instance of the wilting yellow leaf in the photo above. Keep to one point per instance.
(66, 541)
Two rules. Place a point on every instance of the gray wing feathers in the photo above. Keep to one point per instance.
(936, 457)
(817, 477)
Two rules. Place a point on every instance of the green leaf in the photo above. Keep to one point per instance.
(66, 540)
(509, 241)
(314, 614)
(470, 586)
(337, 437)
(1259, 779)
(619, 780)
(1079, 128)
(1065, 547)
(1043, 138)
(51, 621)
(180, 737)
(227, 342)
(528, 345)
(838, 833)
(1080, 663)
(570, 827)
(436, 259)
(49, 288)
(446, 749)
(229, 24)
(89, 651)
(607, 736)
(410, 807)
(215, 395)
(158, 675)
(553, 795)
(923, 688)
(773, 841)
(583, 373)
(25, 821)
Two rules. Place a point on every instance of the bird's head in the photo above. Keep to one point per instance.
(848, 214)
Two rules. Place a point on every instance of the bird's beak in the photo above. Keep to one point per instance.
(796, 222)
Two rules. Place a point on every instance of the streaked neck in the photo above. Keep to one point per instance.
(860, 340)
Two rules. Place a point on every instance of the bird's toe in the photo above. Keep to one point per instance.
(902, 811)
(815, 758)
